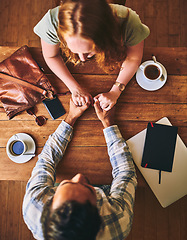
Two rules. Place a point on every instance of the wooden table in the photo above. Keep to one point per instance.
(87, 152)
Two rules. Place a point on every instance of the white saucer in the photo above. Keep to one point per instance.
(150, 86)
(31, 147)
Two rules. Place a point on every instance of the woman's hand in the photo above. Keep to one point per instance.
(107, 100)
(80, 97)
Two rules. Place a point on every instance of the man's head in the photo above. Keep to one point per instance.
(77, 189)
(72, 212)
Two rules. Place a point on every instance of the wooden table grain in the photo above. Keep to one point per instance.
(87, 152)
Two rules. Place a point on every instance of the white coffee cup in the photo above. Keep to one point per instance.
(17, 147)
(151, 71)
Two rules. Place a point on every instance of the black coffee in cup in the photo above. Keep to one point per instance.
(17, 148)
(152, 72)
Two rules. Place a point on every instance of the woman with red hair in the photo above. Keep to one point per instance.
(82, 29)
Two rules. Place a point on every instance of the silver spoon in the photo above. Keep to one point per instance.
(162, 78)
(30, 154)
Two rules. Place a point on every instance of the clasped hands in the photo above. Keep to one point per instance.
(106, 100)
(106, 117)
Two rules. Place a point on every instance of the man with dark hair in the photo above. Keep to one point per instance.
(75, 210)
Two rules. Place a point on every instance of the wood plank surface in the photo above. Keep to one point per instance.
(138, 229)
(175, 84)
(135, 108)
(174, 60)
(4, 204)
(168, 28)
(167, 23)
(124, 111)
(183, 25)
(83, 130)
(162, 29)
(12, 225)
(149, 220)
(76, 159)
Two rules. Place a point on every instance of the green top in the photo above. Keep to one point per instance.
(134, 31)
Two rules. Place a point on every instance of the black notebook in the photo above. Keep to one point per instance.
(159, 147)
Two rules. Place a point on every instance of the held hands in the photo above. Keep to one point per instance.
(107, 100)
(106, 117)
(75, 112)
(81, 97)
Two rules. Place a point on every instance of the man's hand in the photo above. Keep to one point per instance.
(75, 112)
(106, 117)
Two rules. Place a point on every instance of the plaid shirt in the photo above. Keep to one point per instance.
(115, 202)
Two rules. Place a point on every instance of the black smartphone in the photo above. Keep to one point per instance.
(54, 107)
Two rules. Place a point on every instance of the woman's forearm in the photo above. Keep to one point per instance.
(53, 58)
(127, 71)
(57, 65)
(130, 65)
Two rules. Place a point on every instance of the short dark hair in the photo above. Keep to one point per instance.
(71, 221)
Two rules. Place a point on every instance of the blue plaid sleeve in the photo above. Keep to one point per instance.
(40, 186)
(117, 206)
(45, 170)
